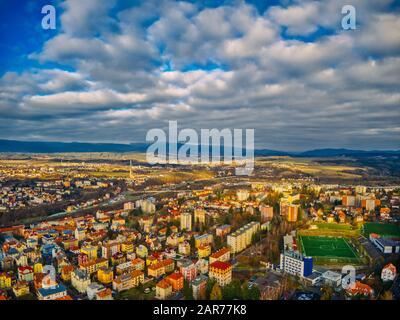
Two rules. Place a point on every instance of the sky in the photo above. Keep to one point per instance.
(112, 70)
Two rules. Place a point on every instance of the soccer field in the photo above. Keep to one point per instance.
(327, 247)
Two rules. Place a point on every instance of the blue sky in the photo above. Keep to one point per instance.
(112, 70)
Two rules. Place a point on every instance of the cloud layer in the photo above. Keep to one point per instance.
(290, 72)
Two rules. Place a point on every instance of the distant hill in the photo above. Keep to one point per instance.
(65, 147)
(348, 152)
(59, 147)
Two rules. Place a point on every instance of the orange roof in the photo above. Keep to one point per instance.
(67, 297)
(104, 293)
(220, 265)
(175, 276)
(391, 267)
(136, 273)
(137, 261)
(360, 288)
(220, 253)
(163, 284)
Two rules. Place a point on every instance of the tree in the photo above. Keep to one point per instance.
(232, 290)
(326, 293)
(387, 295)
(216, 293)
(254, 293)
(209, 287)
(187, 291)
(192, 243)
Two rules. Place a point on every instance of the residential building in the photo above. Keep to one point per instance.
(163, 289)
(199, 285)
(80, 280)
(388, 272)
(176, 280)
(267, 213)
(294, 263)
(105, 275)
(204, 251)
(241, 238)
(186, 221)
(128, 280)
(221, 272)
(223, 254)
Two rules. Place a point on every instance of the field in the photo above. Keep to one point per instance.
(332, 230)
(390, 230)
(328, 248)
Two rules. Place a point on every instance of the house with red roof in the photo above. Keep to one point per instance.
(388, 272)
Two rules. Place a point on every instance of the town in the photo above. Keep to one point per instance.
(216, 238)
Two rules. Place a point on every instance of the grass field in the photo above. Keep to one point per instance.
(389, 230)
(328, 248)
(331, 230)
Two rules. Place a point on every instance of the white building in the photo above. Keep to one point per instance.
(332, 278)
(93, 289)
(186, 221)
(241, 238)
(242, 195)
(294, 263)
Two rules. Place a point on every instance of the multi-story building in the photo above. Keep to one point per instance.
(80, 280)
(223, 230)
(294, 263)
(127, 247)
(25, 274)
(242, 195)
(105, 275)
(224, 255)
(184, 248)
(241, 239)
(138, 264)
(290, 211)
(109, 249)
(203, 251)
(5, 280)
(160, 268)
(388, 272)
(53, 292)
(21, 288)
(90, 251)
(163, 289)
(349, 201)
(199, 287)
(188, 269)
(186, 221)
(267, 213)
(199, 215)
(128, 280)
(66, 272)
(221, 272)
(176, 280)
(141, 251)
(93, 266)
(202, 240)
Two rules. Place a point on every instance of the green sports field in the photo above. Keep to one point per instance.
(327, 247)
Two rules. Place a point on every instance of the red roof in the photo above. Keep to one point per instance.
(391, 267)
(220, 265)
(175, 276)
